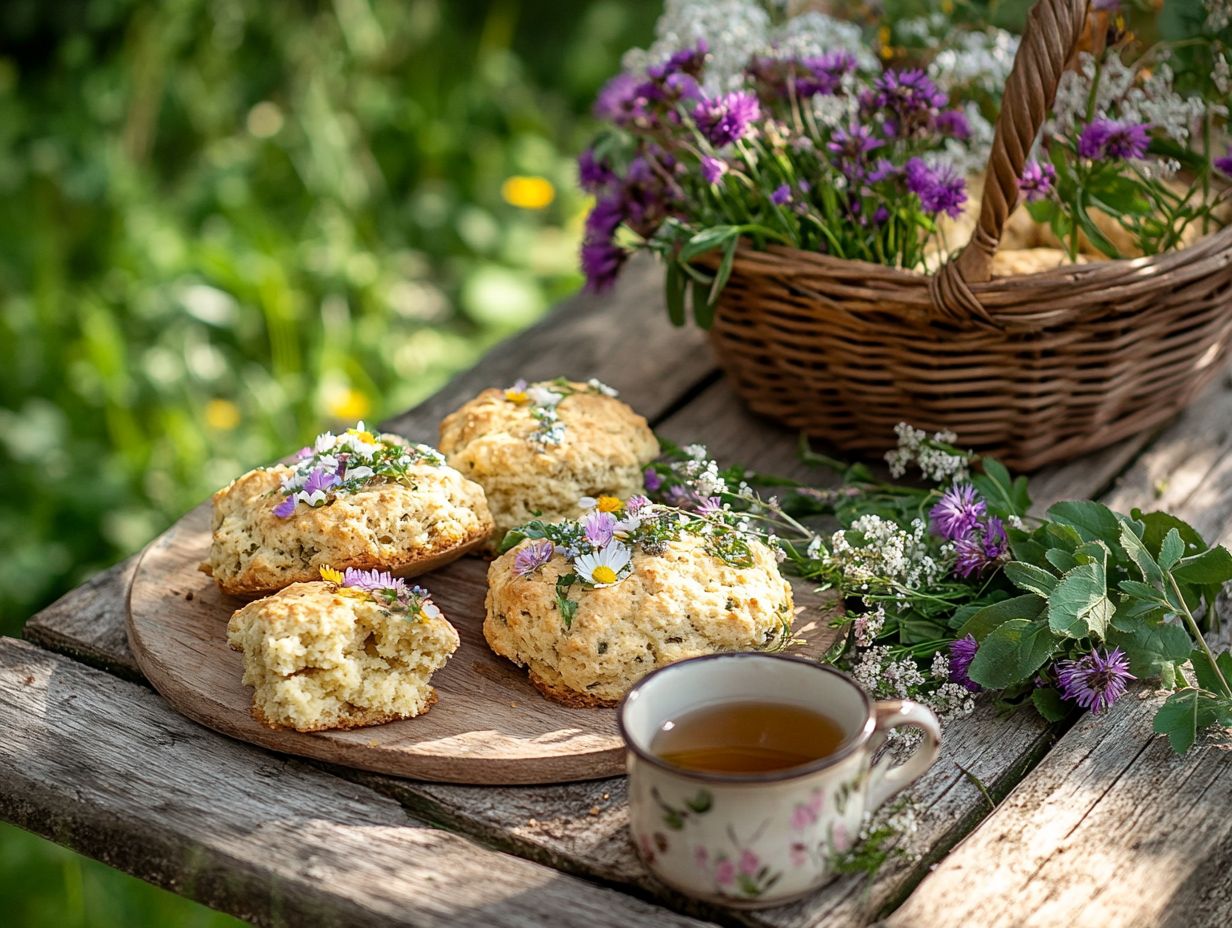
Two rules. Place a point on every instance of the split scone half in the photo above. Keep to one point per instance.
(538, 448)
(591, 606)
(370, 502)
(356, 648)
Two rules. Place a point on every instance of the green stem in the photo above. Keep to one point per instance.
(1201, 639)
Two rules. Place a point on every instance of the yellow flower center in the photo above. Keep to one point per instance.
(331, 576)
(528, 191)
(609, 504)
(603, 574)
(517, 396)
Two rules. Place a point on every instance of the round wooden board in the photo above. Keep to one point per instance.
(490, 726)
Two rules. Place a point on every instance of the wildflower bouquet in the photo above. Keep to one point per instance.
(952, 589)
(742, 125)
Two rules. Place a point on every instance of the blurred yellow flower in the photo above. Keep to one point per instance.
(222, 414)
(329, 575)
(609, 504)
(348, 403)
(526, 192)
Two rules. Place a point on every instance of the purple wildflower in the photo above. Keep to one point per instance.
(1037, 180)
(317, 484)
(962, 653)
(982, 547)
(1105, 138)
(953, 124)
(1094, 681)
(852, 146)
(958, 512)
(598, 527)
(713, 169)
(909, 100)
(726, 119)
(710, 506)
(1106, 6)
(533, 556)
(618, 101)
(285, 509)
(940, 189)
(781, 195)
(651, 480)
(601, 262)
(682, 497)
(1224, 164)
(635, 504)
(881, 170)
(604, 218)
(306, 452)
(685, 61)
(593, 173)
(375, 581)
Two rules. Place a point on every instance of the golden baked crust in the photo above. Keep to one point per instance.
(682, 603)
(603, 449)
(390, 526)
(318, 659)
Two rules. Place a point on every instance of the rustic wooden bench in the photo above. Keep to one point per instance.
(1025, 823)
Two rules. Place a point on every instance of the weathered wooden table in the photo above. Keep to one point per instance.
(1026, 824)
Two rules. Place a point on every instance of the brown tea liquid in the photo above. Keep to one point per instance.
(746, 737)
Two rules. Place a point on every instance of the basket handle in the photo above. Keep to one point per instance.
(1053, 30)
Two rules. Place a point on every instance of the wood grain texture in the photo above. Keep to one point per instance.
(489, 725)
(106, 767)
(1112, 828)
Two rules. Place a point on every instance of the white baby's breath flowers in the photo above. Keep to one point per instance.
(876, 553)
(814, 34)
(975, 60)
(731, 29)
(935, 464)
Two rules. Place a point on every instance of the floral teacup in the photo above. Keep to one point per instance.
(760, 839)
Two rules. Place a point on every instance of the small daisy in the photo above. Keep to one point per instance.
(605, 567)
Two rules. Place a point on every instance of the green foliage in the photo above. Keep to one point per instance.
(46, 886)
(226, 225)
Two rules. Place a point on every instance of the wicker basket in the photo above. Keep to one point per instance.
(1032, 369)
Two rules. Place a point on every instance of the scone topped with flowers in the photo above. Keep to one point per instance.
(359, 499)
(591, 605)
(352, 648)
(537, 448)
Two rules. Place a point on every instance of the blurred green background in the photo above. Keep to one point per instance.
(226, 224)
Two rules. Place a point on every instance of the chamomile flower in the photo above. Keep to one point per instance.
(605, 567)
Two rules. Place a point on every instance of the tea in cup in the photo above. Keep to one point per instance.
(750, 773)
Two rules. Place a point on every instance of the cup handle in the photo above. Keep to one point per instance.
(886, 779)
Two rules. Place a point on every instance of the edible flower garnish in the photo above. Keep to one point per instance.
(606, 566)
(381, 587)
(543, 397)
(346, 463)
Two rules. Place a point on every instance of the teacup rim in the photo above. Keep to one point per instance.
(854, 744)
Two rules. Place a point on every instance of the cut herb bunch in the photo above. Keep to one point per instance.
(954, 588)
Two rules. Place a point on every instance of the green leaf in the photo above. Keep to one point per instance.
(1005, 496)
(1183, 715)
(1155, 525)
(1211, 566)
(1061, 559)
(720, 281)
(1049, 704)
(1030, 578)
(707, 240)
(702, 310)
(675, 286)
(1141, 590)
(1093, 521)
(1028, 606)
(1149, 644)
(1079, 605)
(568, 607)
(1208, 679)
(1012, 653)
(1136, 549)
(1171, 550)
(700, 803)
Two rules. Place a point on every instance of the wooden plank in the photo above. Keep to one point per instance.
(1112, 828)
(107, 768)
(623, 338)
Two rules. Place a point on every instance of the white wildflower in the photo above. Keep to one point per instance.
(732, 29)
(975, 60)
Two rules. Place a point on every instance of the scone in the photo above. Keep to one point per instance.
(351, 500)
(538, 448)
(589, 607)
(351, 650)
